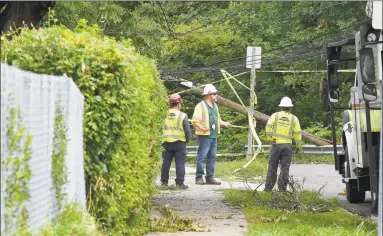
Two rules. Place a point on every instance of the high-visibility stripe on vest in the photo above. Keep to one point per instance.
(201, 115)
(173, 127)
(284, 127)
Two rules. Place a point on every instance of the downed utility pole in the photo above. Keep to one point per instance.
(261, 117)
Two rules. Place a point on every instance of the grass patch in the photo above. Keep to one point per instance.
(258, 167)
(171, 221)
(226, 169)
(264, 220)
(301, 158)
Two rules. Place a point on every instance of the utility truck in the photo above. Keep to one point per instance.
(361, 121)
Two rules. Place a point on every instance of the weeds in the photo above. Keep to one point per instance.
(307, 219)
(171, 221)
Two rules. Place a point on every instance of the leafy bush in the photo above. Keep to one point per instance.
(317, 129)
(72, 221)
(124, 106)
(232, 140)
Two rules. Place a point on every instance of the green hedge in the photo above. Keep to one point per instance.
(125, 102)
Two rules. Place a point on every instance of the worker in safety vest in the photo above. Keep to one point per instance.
(207, 122)
(282, 127)
(176, 133)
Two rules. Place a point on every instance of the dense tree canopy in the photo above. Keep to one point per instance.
(193, 40)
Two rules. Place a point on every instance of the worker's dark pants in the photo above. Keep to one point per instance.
(279, 154)
(178, 151)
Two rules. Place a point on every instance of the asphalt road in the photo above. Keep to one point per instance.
(318, 175)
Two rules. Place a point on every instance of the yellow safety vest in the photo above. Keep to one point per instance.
(375, 119)
(201, 115)
(173, 127)
(283, 127)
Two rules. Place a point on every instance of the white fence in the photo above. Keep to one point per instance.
(36, 96)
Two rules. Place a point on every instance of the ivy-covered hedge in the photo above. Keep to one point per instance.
(125, 103)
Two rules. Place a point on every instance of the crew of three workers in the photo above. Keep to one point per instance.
(282, 128)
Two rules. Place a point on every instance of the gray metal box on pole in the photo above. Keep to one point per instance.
(253, 61)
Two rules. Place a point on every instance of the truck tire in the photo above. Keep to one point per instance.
(353, 195)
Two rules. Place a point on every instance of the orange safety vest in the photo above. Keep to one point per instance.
(201, 115)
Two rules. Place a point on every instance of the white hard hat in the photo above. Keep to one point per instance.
(209, 89)
(286, 102)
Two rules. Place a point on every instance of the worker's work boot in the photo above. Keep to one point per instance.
(213, 181)
(200, 182)
(181, 186)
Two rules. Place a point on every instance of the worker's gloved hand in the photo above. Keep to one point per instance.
(204, 129)
(273, 142)
(226, 124)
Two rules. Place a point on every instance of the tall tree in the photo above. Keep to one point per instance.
(17, 14)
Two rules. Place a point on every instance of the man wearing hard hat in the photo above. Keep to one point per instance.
(176, 133)
(282, 128)
(207, 122)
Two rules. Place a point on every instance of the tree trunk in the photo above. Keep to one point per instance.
(17, 14)
(263, 117)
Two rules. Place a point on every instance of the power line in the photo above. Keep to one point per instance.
(305, 42)
(218, 81)
(281, 61)
(264, 61)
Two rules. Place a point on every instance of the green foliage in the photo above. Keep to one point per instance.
(72, 221)
(171, 221)
(200, 47)
(59, 171)
(125, 102)
(265, 221)
(142, 22)
(17, 181)
(232, 140)
(325, 132)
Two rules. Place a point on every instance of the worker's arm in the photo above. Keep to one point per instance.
(224, 123)
(197, 118)
(297, 134)
(270, 127)
(186, 127)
